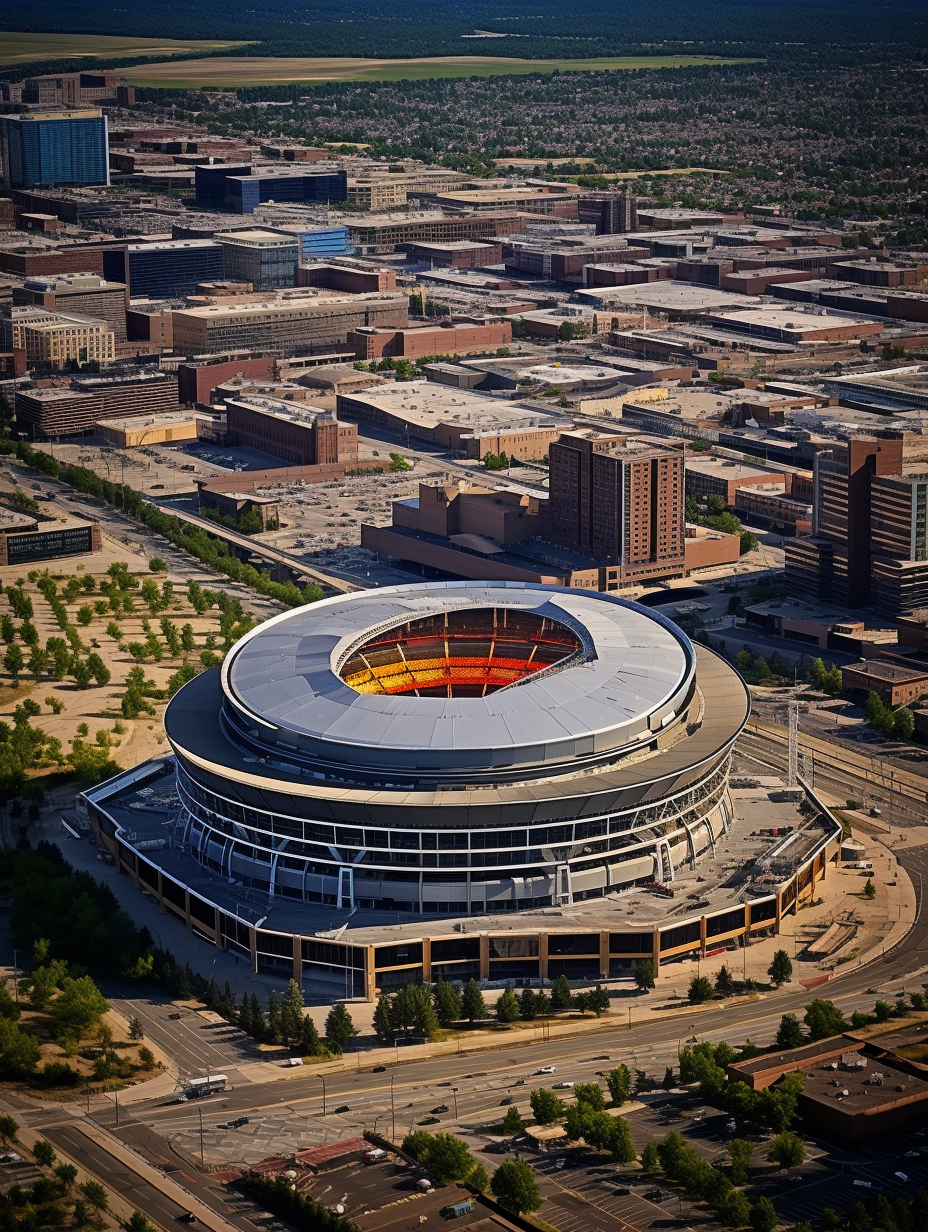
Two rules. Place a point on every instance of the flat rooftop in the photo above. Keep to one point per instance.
(429, 404)
(670, 296)
(725, 468)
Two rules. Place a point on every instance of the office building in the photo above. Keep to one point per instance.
(69, 412)
(267, 259)
(291, 326)
(620, 499)
(44, 541)
(610, 213)
(458, 339)
(472, 424)
(86, 294)
(391, 231)
(165, 270)
(55, 339)
(54, 147)
(77, 90)
(869, 546)
(240, 189)
(316, 242)
(300, 434)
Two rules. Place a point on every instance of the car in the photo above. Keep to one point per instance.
(379, 1069)
(440, 1108)
(429, 1120)
(342, 1108)
(562, 1086)
(863, 1184)
(560, 1163)
(654, 1195)
(620, 1191)
(546, 1069)
(901, 1176)
(10, 1157)
(505, 1101)
(174, 1017)
(603, 1056)
(912, 1155)
(187, 1217)
(157, 487)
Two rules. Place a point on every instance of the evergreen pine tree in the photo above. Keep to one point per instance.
(243, 1017)
(273, 1019)
(258, 1021)
(213, 999)
(339, 1029)
(527, 1005)
(310, 1043)
(447, 1001)
(291, 1014)
(383, 1019)
(472, 1003)
(560, 994)
(507, 1007)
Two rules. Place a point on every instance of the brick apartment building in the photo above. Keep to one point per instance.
(31, 262)
(620, 499)
(459, 254)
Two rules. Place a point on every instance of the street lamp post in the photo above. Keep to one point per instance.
(202, 1160)
(392, 1110)
(454, 1092)
(322, 1080)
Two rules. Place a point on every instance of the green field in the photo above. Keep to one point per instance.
(18, 47)
(228, 72)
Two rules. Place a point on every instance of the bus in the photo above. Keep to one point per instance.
(212, 1084)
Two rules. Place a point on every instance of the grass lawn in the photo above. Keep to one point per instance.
(16, 47)
(228, 72)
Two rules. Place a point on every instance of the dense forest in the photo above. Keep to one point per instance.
(825, 31)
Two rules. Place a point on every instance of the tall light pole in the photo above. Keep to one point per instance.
(322, 1080)
(202, 1160)
(454, 1092)
(392, 1110)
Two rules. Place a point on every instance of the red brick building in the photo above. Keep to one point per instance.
(373, 343)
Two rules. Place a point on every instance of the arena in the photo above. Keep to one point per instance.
(391, 764)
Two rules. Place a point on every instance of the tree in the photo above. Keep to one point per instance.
(67, 1174)
(507, 1007)
(781, 968)
(339, 1029)
(528, 1010)
(383, 1020)
(291, 1014)
(95, 1194)
(513, 1186)
(513, 1122)
(903, 724)
(669, 1081)
(590, 1094)
(644, 975)
(650, 1160)
(310, 1044)
(448, 1158)
(560, 994)
(740, 1151)
(823, 1018)
(473, 1005)
(78, 1009)
(8, 1129)
(137, 1223)
(619, 1082)
(13, 660)
(700, 990)
(478, 1179)
(447, 1001)
(44, 1153)
(789, 1033)
(734, 1209)
(136, 1030)
(546, 1106)
(763, 1216)
(787, 1150)
(157, 565)
(870, 889)
(724, 982)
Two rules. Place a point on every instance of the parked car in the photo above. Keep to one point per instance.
(563, 1086)
(546, 1069)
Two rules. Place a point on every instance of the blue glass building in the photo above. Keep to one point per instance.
(54, 148)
